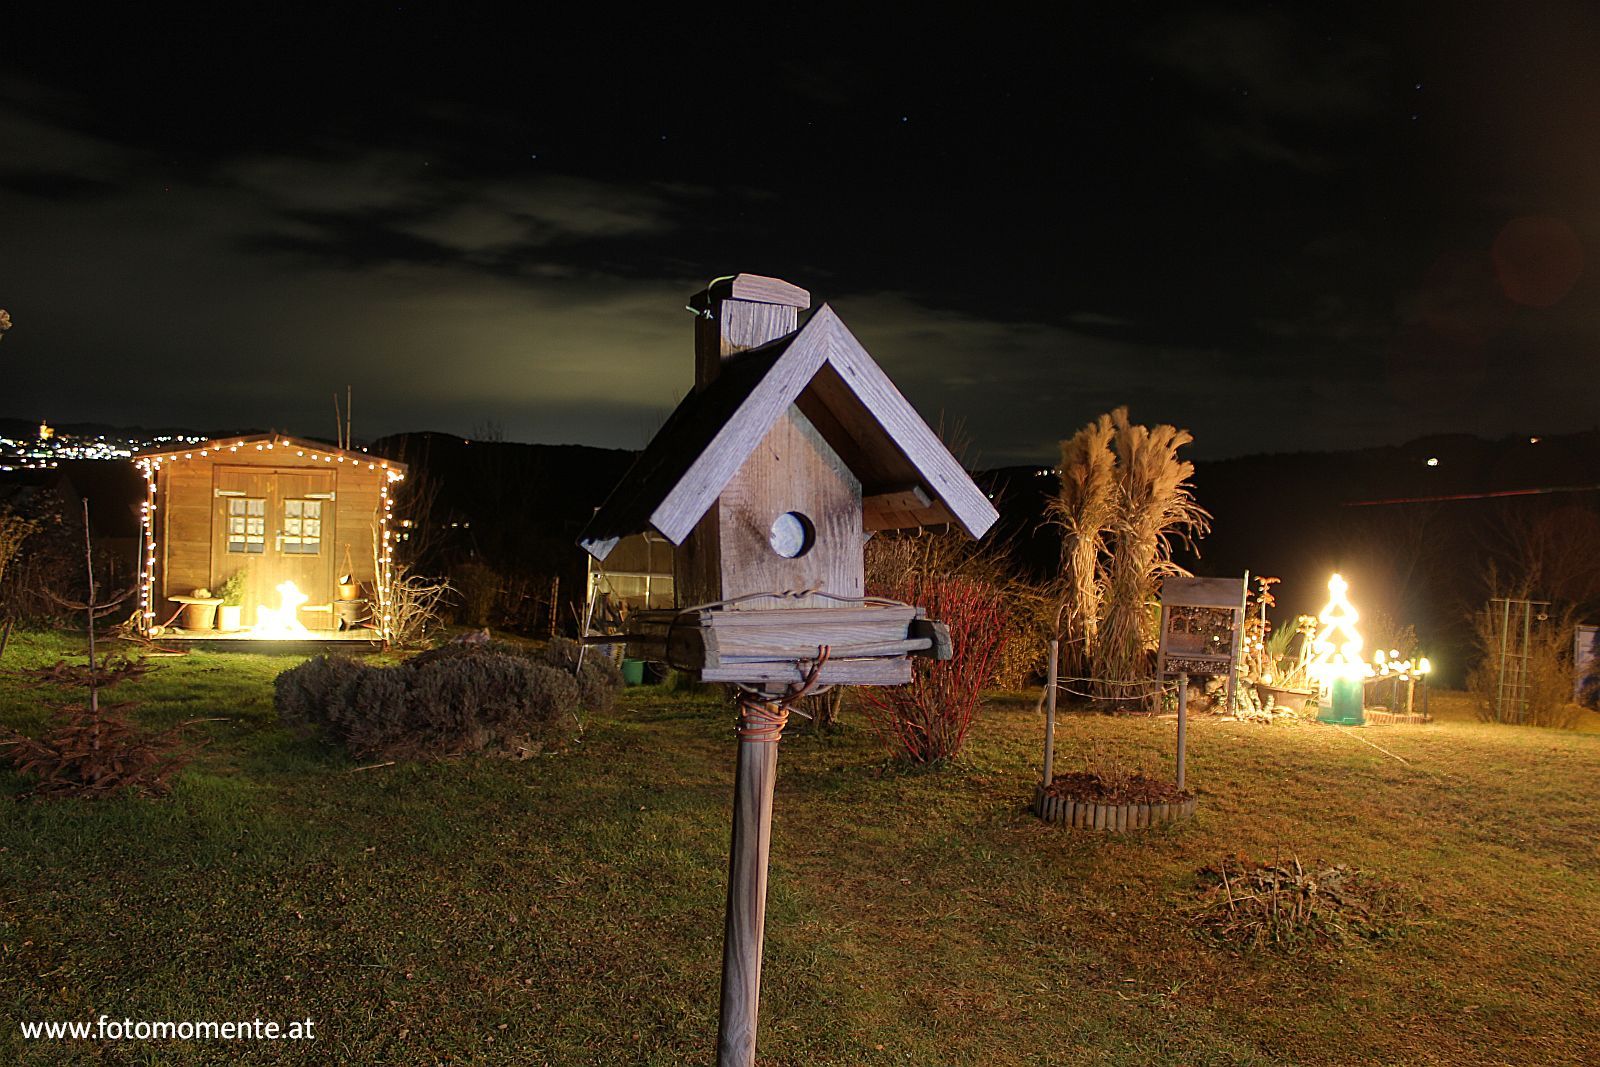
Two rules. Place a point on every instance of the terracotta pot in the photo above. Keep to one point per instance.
(199, 616)
(349, 590)
(228, 618)
(1277, 696)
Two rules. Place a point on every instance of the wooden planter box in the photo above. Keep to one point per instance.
(1093, 815)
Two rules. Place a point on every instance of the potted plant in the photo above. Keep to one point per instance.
(349, 588)
(232, 593)
(1282, 679)
(199, 609)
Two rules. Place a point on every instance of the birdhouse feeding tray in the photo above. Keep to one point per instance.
(866, 644)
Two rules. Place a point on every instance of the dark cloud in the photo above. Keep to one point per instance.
(1228, 218)
(1268, 62)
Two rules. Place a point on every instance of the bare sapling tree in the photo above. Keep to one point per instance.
(93, 750)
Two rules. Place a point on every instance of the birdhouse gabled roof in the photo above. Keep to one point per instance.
(908, 477)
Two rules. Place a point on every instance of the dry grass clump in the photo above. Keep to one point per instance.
(1126, 501)
(1290, 908)
(1156, 510)
(1085, 508)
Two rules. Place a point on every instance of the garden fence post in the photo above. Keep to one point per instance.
(1050, 714)
(1183, 721)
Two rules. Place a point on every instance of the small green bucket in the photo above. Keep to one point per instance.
(633, 672)
(1344, 705)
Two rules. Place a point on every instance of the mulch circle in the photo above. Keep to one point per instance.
(1083, 801)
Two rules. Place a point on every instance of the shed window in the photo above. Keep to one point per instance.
(247, 524)
(302, 527)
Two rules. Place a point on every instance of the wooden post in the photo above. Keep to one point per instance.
(88, 566)
(734, 315)
(1050, 715)
(1183, 721)
(747, 894)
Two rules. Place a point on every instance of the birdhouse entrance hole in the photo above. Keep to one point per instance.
(792, 535)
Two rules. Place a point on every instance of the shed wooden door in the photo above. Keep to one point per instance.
(278, 525)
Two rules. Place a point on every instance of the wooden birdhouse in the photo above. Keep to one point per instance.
(792, 450)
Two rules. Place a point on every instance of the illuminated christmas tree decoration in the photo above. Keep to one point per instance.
(1336, 664)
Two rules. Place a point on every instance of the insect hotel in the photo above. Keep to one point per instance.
(1202, 621)
(265, 537)
(793, 449)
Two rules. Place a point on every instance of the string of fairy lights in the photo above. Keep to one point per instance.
(150, 465)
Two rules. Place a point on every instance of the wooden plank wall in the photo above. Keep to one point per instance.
(186, 509)
(184, 504)
(356, 512)
(793, 469)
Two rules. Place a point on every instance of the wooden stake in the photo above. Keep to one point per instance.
(1183, 721)
(88, 566)
(1050, 716)
(747, 902)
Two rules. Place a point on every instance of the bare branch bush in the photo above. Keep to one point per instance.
(415, 606)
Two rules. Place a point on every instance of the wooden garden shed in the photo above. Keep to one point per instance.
(305, 525)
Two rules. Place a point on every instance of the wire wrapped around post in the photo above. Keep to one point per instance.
(762, 718)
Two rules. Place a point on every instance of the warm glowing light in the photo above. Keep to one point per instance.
(1336, 650)
(1433, 461)
(284, 620)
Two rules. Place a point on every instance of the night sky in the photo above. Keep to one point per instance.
(1283, 228)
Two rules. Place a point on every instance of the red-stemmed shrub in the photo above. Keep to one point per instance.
(927, 721)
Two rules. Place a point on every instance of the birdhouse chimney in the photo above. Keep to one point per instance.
(740, 313)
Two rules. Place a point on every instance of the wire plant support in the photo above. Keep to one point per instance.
(1514, 621)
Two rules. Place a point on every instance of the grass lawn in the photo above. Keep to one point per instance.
(568, 909)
